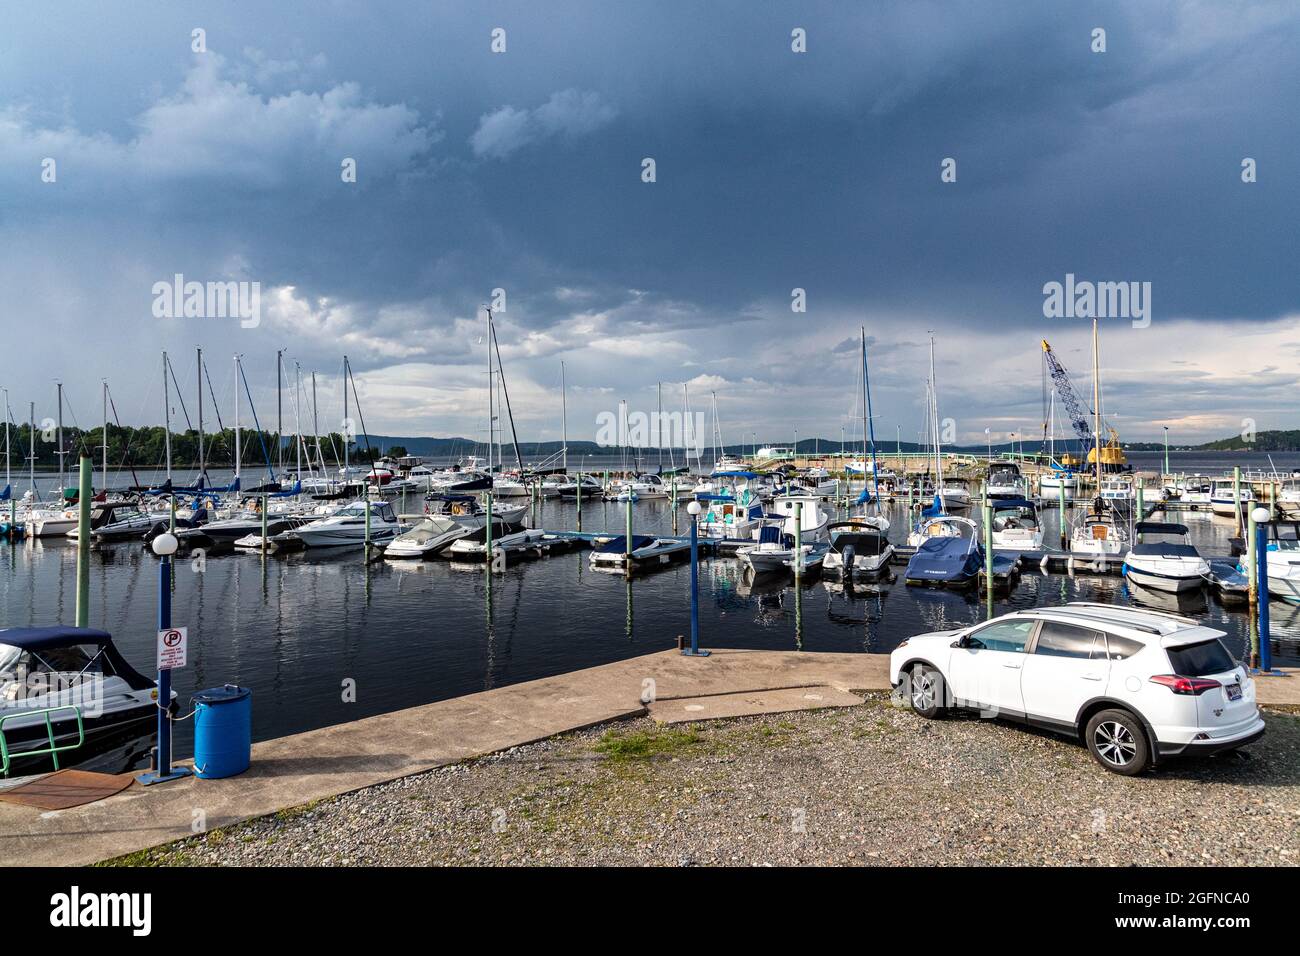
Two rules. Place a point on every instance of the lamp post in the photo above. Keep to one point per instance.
(1261, 518)
(164, 546)
(1166, 428)
(693, 509)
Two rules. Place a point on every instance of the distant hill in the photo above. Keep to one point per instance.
(1288, 441)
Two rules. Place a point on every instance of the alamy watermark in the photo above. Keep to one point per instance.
(1098, 300)
(651, 430)
(209, 300)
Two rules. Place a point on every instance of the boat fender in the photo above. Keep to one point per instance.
(1042, 565)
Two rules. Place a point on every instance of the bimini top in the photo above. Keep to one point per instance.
(1010, 504)
(35, 638)
(735, 474)
(1159, 527)
(43, 638)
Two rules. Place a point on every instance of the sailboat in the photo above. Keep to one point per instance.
(1099, 533)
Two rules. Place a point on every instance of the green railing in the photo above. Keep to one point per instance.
(53, 750)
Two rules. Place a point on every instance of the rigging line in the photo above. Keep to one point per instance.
(362, 417)
(261, 438)
(180, 397)
(501, 375)
(126, 446)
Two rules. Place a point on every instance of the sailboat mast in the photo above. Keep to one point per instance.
(315, 424)
(870, 421)
(238, 442)
(199, 361)
(505, 391)
(564, 420)
(346, 429)
(103, 433)
(31, 457)
(659, 422)
(279, 411)
(1096, 403)
(297, 418)
(167, 418)
(934, 424)
(491, 435)
(62, 470)
(7, 417)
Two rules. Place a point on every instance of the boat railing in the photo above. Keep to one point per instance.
(53, 750)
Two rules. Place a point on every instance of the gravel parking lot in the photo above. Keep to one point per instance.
(863, 785)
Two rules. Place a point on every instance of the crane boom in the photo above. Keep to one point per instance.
(1077, 411)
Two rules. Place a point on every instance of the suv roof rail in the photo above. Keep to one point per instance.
(1134, 610)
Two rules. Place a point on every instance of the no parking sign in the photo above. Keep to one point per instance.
(171, 648)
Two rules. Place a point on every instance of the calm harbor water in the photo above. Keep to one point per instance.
(295, 628)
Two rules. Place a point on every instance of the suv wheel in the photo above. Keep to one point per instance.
(1118, 742)
(926, 692)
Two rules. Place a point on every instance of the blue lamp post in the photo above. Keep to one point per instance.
(164, 546)
(1262, 517)
(693, 509)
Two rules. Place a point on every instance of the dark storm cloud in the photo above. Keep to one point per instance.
(775, 170)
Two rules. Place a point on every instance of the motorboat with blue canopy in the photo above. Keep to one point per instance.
(1164, 559)
(70, 689)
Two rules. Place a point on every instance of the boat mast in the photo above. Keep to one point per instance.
(8, 483)
(203, 470)
(564, 420)
(31, 458)
(659, 422)
(279, 411)
(315, 425)
(104, 433)
(297, 418)
(505, 390)
(869, 421)
(1096, 404)
(345, 419)
(62, 472)
(492, 384)
(934, 423)
(167, 417)
(238, 449)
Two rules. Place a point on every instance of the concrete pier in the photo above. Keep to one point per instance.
(296, 770)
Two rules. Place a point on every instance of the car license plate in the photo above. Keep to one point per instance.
(1233, 691)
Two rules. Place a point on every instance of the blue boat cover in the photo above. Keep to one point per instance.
(945, 559)
(6, 494)
(619, 545)
(61, 635)
(769, 534)
(1009, 504)
(933, 510)
(1159, 527)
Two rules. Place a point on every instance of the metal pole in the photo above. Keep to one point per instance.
(488, 539)
(163, 769)
(579, 490)
(1060, 494)
(83, 543)
(1236, 495)
(798, 540)
(1251, 557)
(695, 593)
(264, 500)
(627, 550)
(63, 474)
(1261, 554)
(199, 360)
(988, 547)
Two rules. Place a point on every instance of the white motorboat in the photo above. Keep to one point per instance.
(347, 526)
(469, 511)
(1163, 558)
(1015, 525)
(644, 552)
(1099, 533)
(956, 494)
(635, 489)
(50, 522)
(1005, 481)
(859, 547)
(1051, 487)
(473, 547)
(1225, 500)
(589, 486)
(430, 535)
(775, 551)
(69, 687)
(803, 513)
(734, 513)
(1282, 554)
(1194, 490)
(941, 526)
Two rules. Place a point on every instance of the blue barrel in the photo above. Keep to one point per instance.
(223, 731)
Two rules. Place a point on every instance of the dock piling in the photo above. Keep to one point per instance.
(84, 494)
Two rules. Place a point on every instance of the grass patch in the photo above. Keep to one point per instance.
(647, 744)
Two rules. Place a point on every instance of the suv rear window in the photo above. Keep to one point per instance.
(1200, 659)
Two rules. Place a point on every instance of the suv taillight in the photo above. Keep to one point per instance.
(1192, 686)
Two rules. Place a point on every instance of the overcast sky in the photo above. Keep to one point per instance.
(776, 170)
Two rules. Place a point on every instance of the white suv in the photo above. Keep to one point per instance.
(1135, 685)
